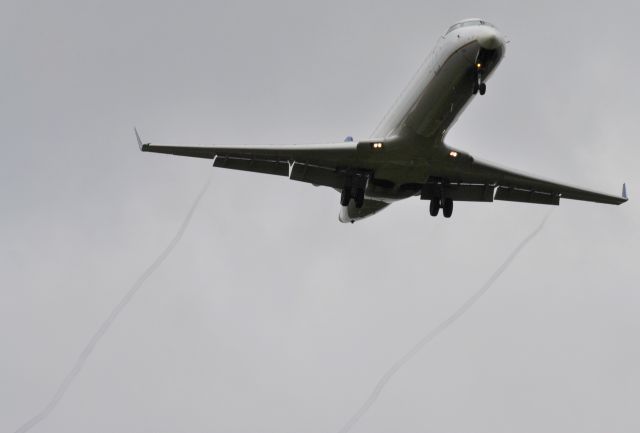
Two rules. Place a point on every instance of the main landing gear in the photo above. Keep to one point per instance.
(355, 184)
(446, 204)
(348, 193)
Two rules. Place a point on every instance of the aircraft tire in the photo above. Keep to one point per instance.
(359, 198)
(434, 207)
(345, 197)
(483, 88)
(447, 208)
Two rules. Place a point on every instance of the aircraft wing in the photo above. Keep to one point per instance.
(513, 185)
(319, 164)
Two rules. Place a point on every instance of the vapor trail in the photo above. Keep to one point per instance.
(104, 327)
(382, 382)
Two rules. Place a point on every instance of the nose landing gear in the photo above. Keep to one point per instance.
(479, 85)
(480, 88)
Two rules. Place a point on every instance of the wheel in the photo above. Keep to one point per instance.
(359, 198)
(434, 207)
(483, 88)
(345, 197)
(447, 208)
(475, 88)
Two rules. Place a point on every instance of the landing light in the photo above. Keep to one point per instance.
(377, 145)
(478, 65)
(453, 154)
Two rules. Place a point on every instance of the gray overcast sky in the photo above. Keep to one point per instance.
(270, 315)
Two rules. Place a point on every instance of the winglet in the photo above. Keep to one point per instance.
(138, 138)
(624, 191)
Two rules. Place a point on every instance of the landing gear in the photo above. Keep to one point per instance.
(359, 198)
(434, 207)
(446, 204)
(354, 188)
(345, 196)
(357, 195)
(447, 207)
(479, 85)
(439, 191)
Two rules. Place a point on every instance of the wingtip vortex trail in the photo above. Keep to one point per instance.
(104, 327)
(440, 328)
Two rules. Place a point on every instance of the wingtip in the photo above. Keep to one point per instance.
(624, 192)
(138, 138)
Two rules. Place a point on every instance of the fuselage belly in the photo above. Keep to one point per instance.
(414, 130)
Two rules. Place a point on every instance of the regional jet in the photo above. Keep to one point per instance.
(407, 155)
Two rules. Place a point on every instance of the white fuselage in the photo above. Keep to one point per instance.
(441, 88)
(414, 129)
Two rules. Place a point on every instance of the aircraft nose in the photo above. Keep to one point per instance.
(490, 39)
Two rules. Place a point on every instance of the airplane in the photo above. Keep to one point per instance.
(407, 155)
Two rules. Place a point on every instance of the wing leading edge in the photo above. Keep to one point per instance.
(259, 158)
(319, 164)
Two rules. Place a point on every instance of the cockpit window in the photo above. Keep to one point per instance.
(468, 23)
